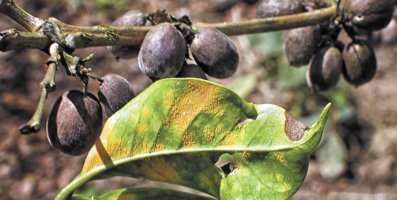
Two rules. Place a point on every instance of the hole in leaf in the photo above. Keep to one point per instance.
(226, 169)
(226, 163)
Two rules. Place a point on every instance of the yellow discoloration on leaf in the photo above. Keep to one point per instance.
(146, 148)
(213, 107)
(123, 151)
(230, 139)
(135, 150)
(287, 186)
(281, 159)
(209, 134)
(158, 147)
(167, 122)
(218, 129)
(246, 154)
(169, 99)
(188, 140)
(99, 156)
(117, 149)
(92, 161)
(158, 168)
(107, 129)
(145, 112)
(279, 177)
(134, 118)
(193, 100)
(141, 128)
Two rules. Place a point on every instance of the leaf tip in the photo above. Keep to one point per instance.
(322, 119)
(316, 131)
(324, 114)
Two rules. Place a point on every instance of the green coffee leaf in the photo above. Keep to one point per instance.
(144, 193)
(177, 129)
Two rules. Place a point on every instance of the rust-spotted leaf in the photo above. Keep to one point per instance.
(177, 129)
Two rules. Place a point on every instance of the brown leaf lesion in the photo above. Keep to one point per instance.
(294, 129)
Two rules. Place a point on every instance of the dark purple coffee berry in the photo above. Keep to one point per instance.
(193, 71)
(215, 53)
(74, 123)
(273, 8)
(114, 92)
(130, 18)
(324, 69)
(360, 62)
(370, 15)
(300, 44)
(162, 52)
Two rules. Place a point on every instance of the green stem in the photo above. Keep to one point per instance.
(34, 123)
(47, 86)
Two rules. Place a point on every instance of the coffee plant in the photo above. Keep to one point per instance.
(183, 129)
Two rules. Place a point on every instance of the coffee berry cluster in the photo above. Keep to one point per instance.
(318, 46)
(75, 120)
(163, 53)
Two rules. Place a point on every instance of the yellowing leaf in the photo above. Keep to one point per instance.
(176, 130)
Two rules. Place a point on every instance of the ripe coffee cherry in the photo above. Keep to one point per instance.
(162, 52)
(74, 123)
(215, 53)
(370, 15)
(300, 44)
(193, 71)
(324, 69)
(114, 92)
(273, 8)
(360, 62)
(131, 18)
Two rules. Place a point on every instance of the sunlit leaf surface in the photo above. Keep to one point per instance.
(176, 130)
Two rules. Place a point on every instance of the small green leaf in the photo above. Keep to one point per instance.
(177, 129)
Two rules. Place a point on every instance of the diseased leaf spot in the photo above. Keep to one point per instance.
(188, 140)
(294, 128)
(209, 134)
(281, 159)
(193, 101)
(156, 168)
